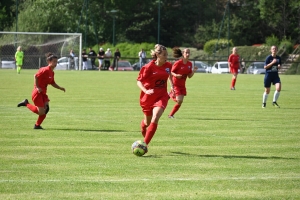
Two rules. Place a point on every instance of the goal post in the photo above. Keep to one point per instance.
(36, 44)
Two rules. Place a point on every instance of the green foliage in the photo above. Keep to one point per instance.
(287, 44)
(295, 67)
(213, 46)
(272, 40)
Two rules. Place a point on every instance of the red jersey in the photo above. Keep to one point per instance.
(184, 69)
(156, 78)
(234, 60)
(45, 77)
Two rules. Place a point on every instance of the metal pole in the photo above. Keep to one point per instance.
(158, 23)
(228, 27)
(114, 30)
(16, 36)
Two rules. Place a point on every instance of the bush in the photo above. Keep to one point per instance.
(287, 44)
(272, 40)
(212, 46)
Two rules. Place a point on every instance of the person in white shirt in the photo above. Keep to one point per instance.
(108, 55)
(142, 57)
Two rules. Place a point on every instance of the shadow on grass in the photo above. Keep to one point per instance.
(88, 130)
(233, 156)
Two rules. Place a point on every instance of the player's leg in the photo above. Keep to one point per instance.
(145, 123)
(267, 84)
(233, 79)
(179, 100)
(157, 113)
(42, 117)
(277, 92)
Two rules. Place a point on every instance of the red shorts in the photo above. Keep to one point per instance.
(162, 103)
(234, 70)
(180, 91)
(39, 99)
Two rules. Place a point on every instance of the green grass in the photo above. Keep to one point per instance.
(221, 145)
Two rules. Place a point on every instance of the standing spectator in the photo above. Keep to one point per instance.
(42, 79)
(117, 57)
(92, 56)
(101, 55)
(72, 59)
(19, 57)
(181, 69)
(243, 66)
(107, 58)
(152, 80)
(84, 60)
(272, 64)
(234, 66)
(142, 57)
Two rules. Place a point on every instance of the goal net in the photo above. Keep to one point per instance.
(35, 45)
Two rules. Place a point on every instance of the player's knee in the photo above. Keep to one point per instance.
(179, 101)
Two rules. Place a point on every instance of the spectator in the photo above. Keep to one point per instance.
(101, 55)
(19, 57)
(117, 57)
(107, 58)
(92, 56)
(142, 57)
(243, 66)
(72, 59)
(84, 60)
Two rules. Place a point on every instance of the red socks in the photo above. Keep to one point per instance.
(32, 108)
(233, 82)
(40, 120)
(143, 128)
(35, 110)
(150, 132)
(175, 109)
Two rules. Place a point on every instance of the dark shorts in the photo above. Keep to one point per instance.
(271, 78)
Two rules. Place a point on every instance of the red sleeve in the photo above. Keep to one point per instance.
(230, 58)
(175, 66)
(144, 73)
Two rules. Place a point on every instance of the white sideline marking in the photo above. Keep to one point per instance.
(153, 180)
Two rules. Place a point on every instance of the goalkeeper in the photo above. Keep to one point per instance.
(19, 57)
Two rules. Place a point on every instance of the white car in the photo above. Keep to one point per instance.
(202, 67)
(256, 68)
(8, 63)
(65, 63)
(220, 68)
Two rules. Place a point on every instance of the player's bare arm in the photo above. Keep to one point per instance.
(58, 87)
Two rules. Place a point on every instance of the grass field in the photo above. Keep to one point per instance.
(221, 145)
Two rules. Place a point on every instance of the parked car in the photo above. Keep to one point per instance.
(202, 67)
(123, 65)
(256, 68)
(65, 63)
(136, 66)
(8, 63)
(220, 68)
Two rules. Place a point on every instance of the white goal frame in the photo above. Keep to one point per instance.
(59, 34)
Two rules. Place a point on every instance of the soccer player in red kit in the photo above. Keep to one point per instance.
(181, 69)
(42, 79)
(152, 80)
(234, 66)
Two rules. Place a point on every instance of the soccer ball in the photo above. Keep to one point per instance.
(139, 148)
